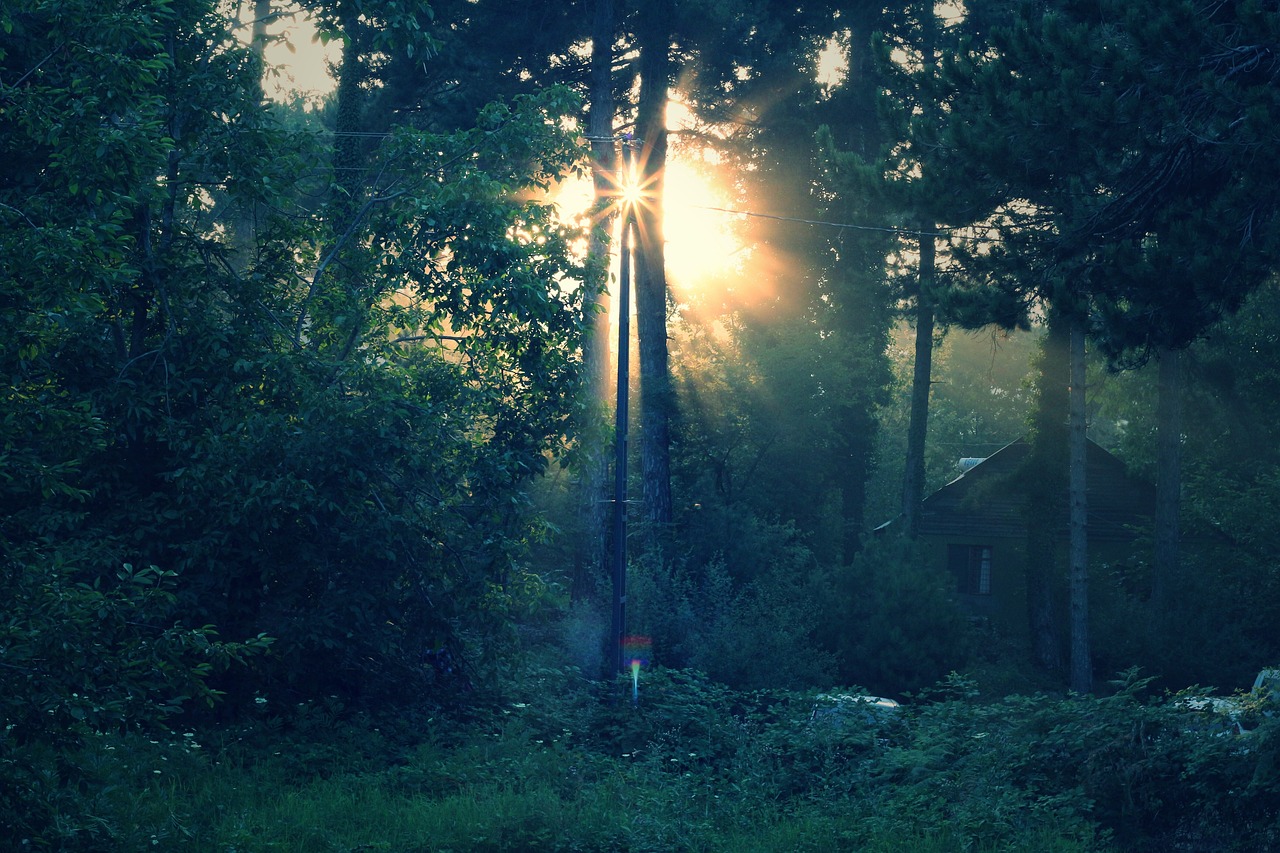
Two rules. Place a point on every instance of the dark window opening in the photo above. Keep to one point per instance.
(971, 565)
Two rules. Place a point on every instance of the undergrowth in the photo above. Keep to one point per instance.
(559, 763)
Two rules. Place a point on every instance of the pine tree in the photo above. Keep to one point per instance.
(1144, 215)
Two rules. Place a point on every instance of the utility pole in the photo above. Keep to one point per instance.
(619, 626)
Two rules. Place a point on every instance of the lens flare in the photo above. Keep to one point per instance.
(636, 650)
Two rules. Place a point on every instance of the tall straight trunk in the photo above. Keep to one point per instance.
(244, 227)
(1045, 480)
(347, 204)
(590, 564)
(656, 398)
(347, 146)
(258, 37)
(922, 366)
(1081, 657)
(921, 380)
(1168, 473)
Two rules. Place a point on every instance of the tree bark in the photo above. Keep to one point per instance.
(921, 380)
(347, 144)
(1168, 474)
(656, 398)
(1081, 657)
(258, 35)
(922, 366)
(591, 559)
(1044, 478)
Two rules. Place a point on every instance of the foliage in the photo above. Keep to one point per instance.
(1146, 770)
(80, 661)
(1215, 627)
(318, 414)
(891, 619)
(806, 330)
(310, 411)
(1149, 211)
(755, 437)
(746, 633)
(555, 763)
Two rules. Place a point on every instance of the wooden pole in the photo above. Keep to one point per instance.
(619, 626)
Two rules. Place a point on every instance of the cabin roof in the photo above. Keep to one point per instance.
(988, 500)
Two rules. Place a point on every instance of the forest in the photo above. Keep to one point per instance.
(602, 425)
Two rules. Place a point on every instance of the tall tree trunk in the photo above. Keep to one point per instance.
(922, 366)
(348, 177)
(857, 320)
(656, 398)
(921, 380)
(347, 204)
(1044, 476)
(1168, 474)
(590, 563)
(244, 224)
(258, 38)
(1081, 657)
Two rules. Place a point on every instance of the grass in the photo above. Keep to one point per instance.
(695, 768)
(503, 790)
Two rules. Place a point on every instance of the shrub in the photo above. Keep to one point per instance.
(752, 635)
(81, 660)
(892, 622)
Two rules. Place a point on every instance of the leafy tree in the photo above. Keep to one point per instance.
(94, 639)
(1102, 217)
(322, 427)
(1224, 588)
(813, 322)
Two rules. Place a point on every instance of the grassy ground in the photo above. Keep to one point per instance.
(693, 767)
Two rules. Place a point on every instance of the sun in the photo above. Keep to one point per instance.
(297, 60)
(701, 248)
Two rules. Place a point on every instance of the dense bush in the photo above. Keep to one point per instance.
(891, 620)
(748, 635)
(82, 660)
(1149, 772)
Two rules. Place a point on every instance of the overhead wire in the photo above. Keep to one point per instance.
(882, 229)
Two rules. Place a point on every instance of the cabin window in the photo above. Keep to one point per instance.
(971, 565)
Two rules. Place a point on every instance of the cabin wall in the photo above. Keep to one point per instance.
(1004, 607)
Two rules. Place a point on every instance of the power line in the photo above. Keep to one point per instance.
(884, 229)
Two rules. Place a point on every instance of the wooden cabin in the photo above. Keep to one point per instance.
(976, 527)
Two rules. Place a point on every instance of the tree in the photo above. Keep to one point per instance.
(736, 67)
(1105, 218)
(909, 177)
(653, 39)
(1169, 476)
(922, 373)
(1081, 651)
(820, 334)
(326, 439)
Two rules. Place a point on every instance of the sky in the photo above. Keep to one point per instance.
(298, 59)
